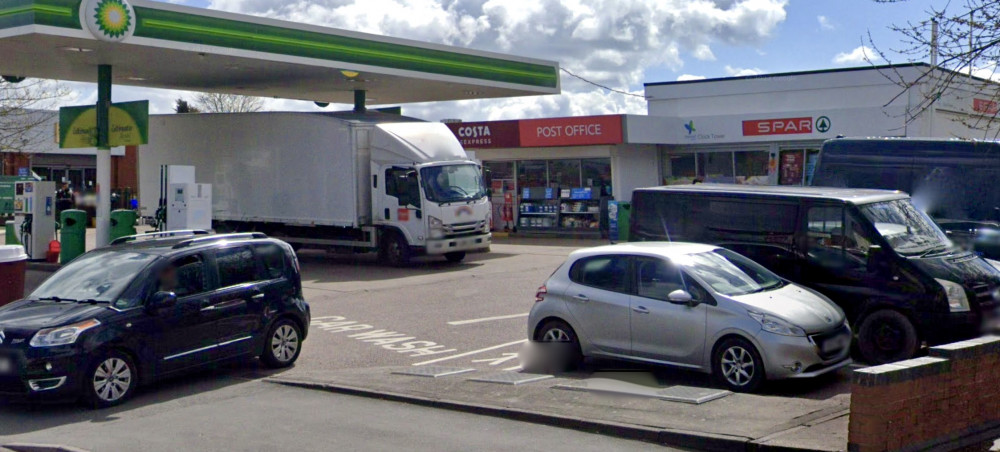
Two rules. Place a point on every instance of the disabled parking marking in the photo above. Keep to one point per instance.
(488, 319)
(474, 352)
(388, 340)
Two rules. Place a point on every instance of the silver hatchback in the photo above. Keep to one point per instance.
(693, 306)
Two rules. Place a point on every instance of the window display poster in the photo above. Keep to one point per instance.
(791, 169)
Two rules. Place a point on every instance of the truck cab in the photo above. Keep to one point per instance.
(431, 199)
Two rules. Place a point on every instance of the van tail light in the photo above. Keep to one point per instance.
(540, 295)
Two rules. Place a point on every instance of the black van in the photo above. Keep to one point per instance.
(893, 271)
(954, 181)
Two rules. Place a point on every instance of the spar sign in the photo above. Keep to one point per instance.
(129, 125)
(786, 126)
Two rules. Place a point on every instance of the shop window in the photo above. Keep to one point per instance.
(716, 167)
(680, 169)
(597, 175)
(499, 176)
(532, 173)
(812, 156)
(751, 167)
(564, 173)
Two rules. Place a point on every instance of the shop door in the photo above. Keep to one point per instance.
(402, 201)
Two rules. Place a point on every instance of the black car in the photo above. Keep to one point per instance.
(149, 307)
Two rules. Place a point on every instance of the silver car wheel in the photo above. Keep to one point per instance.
(737, 366)
(284, 343)
(555, 335)
(112, 379)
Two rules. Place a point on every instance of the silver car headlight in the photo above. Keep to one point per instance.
(775, 325)
(62, 335)
(958, 301)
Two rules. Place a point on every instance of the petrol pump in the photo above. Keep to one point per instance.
(34, 216)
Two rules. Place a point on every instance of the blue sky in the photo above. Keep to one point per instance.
(673, 38)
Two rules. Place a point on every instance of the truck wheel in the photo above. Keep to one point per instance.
(887, 336)
(455, 257)
(394, 250)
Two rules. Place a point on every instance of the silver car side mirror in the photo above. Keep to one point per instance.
(680, 297)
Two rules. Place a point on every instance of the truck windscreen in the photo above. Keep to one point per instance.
(452, 183)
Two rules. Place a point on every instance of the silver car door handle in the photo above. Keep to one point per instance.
(581, 298)
(257, 297)
(641, 310)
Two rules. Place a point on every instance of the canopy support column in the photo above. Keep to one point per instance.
(359, 101)
(103, 155)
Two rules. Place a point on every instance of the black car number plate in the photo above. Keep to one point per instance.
(6, 365)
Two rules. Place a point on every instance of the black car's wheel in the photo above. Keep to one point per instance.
(738, 365)
(110, 380)
(887, 336)
(556, 349)
(455, 257)
(282, 345)
(394, 250)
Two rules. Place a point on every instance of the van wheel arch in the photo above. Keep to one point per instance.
(891, 310)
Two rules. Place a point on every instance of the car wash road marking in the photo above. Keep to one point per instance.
(474, 352)
(488, 319)
(401, 343)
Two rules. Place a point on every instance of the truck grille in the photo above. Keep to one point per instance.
(832, 343)
(460, 229)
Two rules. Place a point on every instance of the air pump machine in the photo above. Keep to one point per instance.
(34, 216)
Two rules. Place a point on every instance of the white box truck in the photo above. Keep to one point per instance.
(351, 182)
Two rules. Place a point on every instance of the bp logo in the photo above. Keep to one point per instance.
(108, 20)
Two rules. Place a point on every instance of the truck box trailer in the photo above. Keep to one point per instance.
(357, 182)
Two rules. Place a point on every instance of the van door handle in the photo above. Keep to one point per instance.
(641, 310)
(581, 298)
(257, 294)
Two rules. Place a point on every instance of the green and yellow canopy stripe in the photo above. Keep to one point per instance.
(190, 28)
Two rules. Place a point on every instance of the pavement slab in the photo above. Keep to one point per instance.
(737, 419)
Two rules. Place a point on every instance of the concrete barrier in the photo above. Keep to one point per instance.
(946, 401)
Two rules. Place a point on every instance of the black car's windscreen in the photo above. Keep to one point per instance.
(908, 230)
(100, 276)
(729, 273)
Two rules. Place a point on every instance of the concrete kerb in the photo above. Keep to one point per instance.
(665, 437)
(39, 448)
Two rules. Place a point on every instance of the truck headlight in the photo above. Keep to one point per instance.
(775, 325)
(62, 335)
(958, 301)
(435, 226)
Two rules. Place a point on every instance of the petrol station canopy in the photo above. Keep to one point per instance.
(177, 47)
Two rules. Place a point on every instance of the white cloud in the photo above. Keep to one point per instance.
(742, 72)
(689, 77)
(861, 54)
(611, 42)
(824, 23)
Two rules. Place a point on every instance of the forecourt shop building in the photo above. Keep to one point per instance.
(764, 130)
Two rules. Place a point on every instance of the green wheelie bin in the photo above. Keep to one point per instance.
(624, 214)
(73, 234)
(123, 223)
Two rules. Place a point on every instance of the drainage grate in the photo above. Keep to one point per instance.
(690, 394)
(432, 371)
(511, 378)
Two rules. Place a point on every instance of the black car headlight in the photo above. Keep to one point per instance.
(62, 335)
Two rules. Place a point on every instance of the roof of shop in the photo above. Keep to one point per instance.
(796, 73)
(178, 47)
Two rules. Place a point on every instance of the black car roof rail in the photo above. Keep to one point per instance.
(158, 235)
(213, 238)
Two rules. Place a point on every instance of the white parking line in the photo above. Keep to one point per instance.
(488, 319)
(446, 358)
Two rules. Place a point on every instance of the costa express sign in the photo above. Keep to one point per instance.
(779, 126)
(576, 131)
(493, 134)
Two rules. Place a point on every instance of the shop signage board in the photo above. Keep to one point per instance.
(577, 131)
(486, 135)
(985, 106)
(129, 125)
(7, 193)
(778, 126)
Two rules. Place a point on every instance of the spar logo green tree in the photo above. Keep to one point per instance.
(108, 20)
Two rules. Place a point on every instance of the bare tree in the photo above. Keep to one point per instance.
(962, 43)
(228, 103)
(25, 105)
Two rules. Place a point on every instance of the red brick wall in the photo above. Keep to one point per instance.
(948, 399)
(13, 161)
(125, 170)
